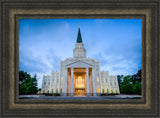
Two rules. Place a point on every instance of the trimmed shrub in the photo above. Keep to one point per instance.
(55, 94)
(51, 94)
(107, 94)
(47, 94)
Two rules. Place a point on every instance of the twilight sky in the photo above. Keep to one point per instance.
(116, 43)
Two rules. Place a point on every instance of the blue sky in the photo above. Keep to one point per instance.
(116, 43)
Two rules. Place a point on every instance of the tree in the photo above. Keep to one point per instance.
(126, 86)
(131, 84)
(136, 77)
(137, 87)
(39, 89)
(120, 78)
(27, 84)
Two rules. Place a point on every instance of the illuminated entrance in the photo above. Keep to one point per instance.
(79, 81)
(80, 88)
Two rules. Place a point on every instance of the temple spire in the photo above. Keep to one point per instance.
(79, 38)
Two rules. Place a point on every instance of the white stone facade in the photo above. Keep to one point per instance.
(77, 71)
(51, 84)
(109, 84)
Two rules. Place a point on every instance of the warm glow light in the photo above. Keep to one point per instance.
(99, 90)
(79, 82)
(97, 79)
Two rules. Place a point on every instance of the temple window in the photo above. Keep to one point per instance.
(97, 79)
(99, 91)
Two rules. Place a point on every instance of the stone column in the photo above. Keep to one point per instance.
(87, 80)
(65, 82)
(71, 81)
(94, 84)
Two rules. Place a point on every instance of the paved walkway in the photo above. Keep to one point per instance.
(82, 97)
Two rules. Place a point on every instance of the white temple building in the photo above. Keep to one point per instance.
(79, 76)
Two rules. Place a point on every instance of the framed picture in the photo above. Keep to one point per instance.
(78, 69)
(41, 49)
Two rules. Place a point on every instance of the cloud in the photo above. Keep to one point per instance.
(40, 65)
(116, 43)
(116, 63)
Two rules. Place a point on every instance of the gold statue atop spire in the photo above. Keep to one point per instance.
(79, 26)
